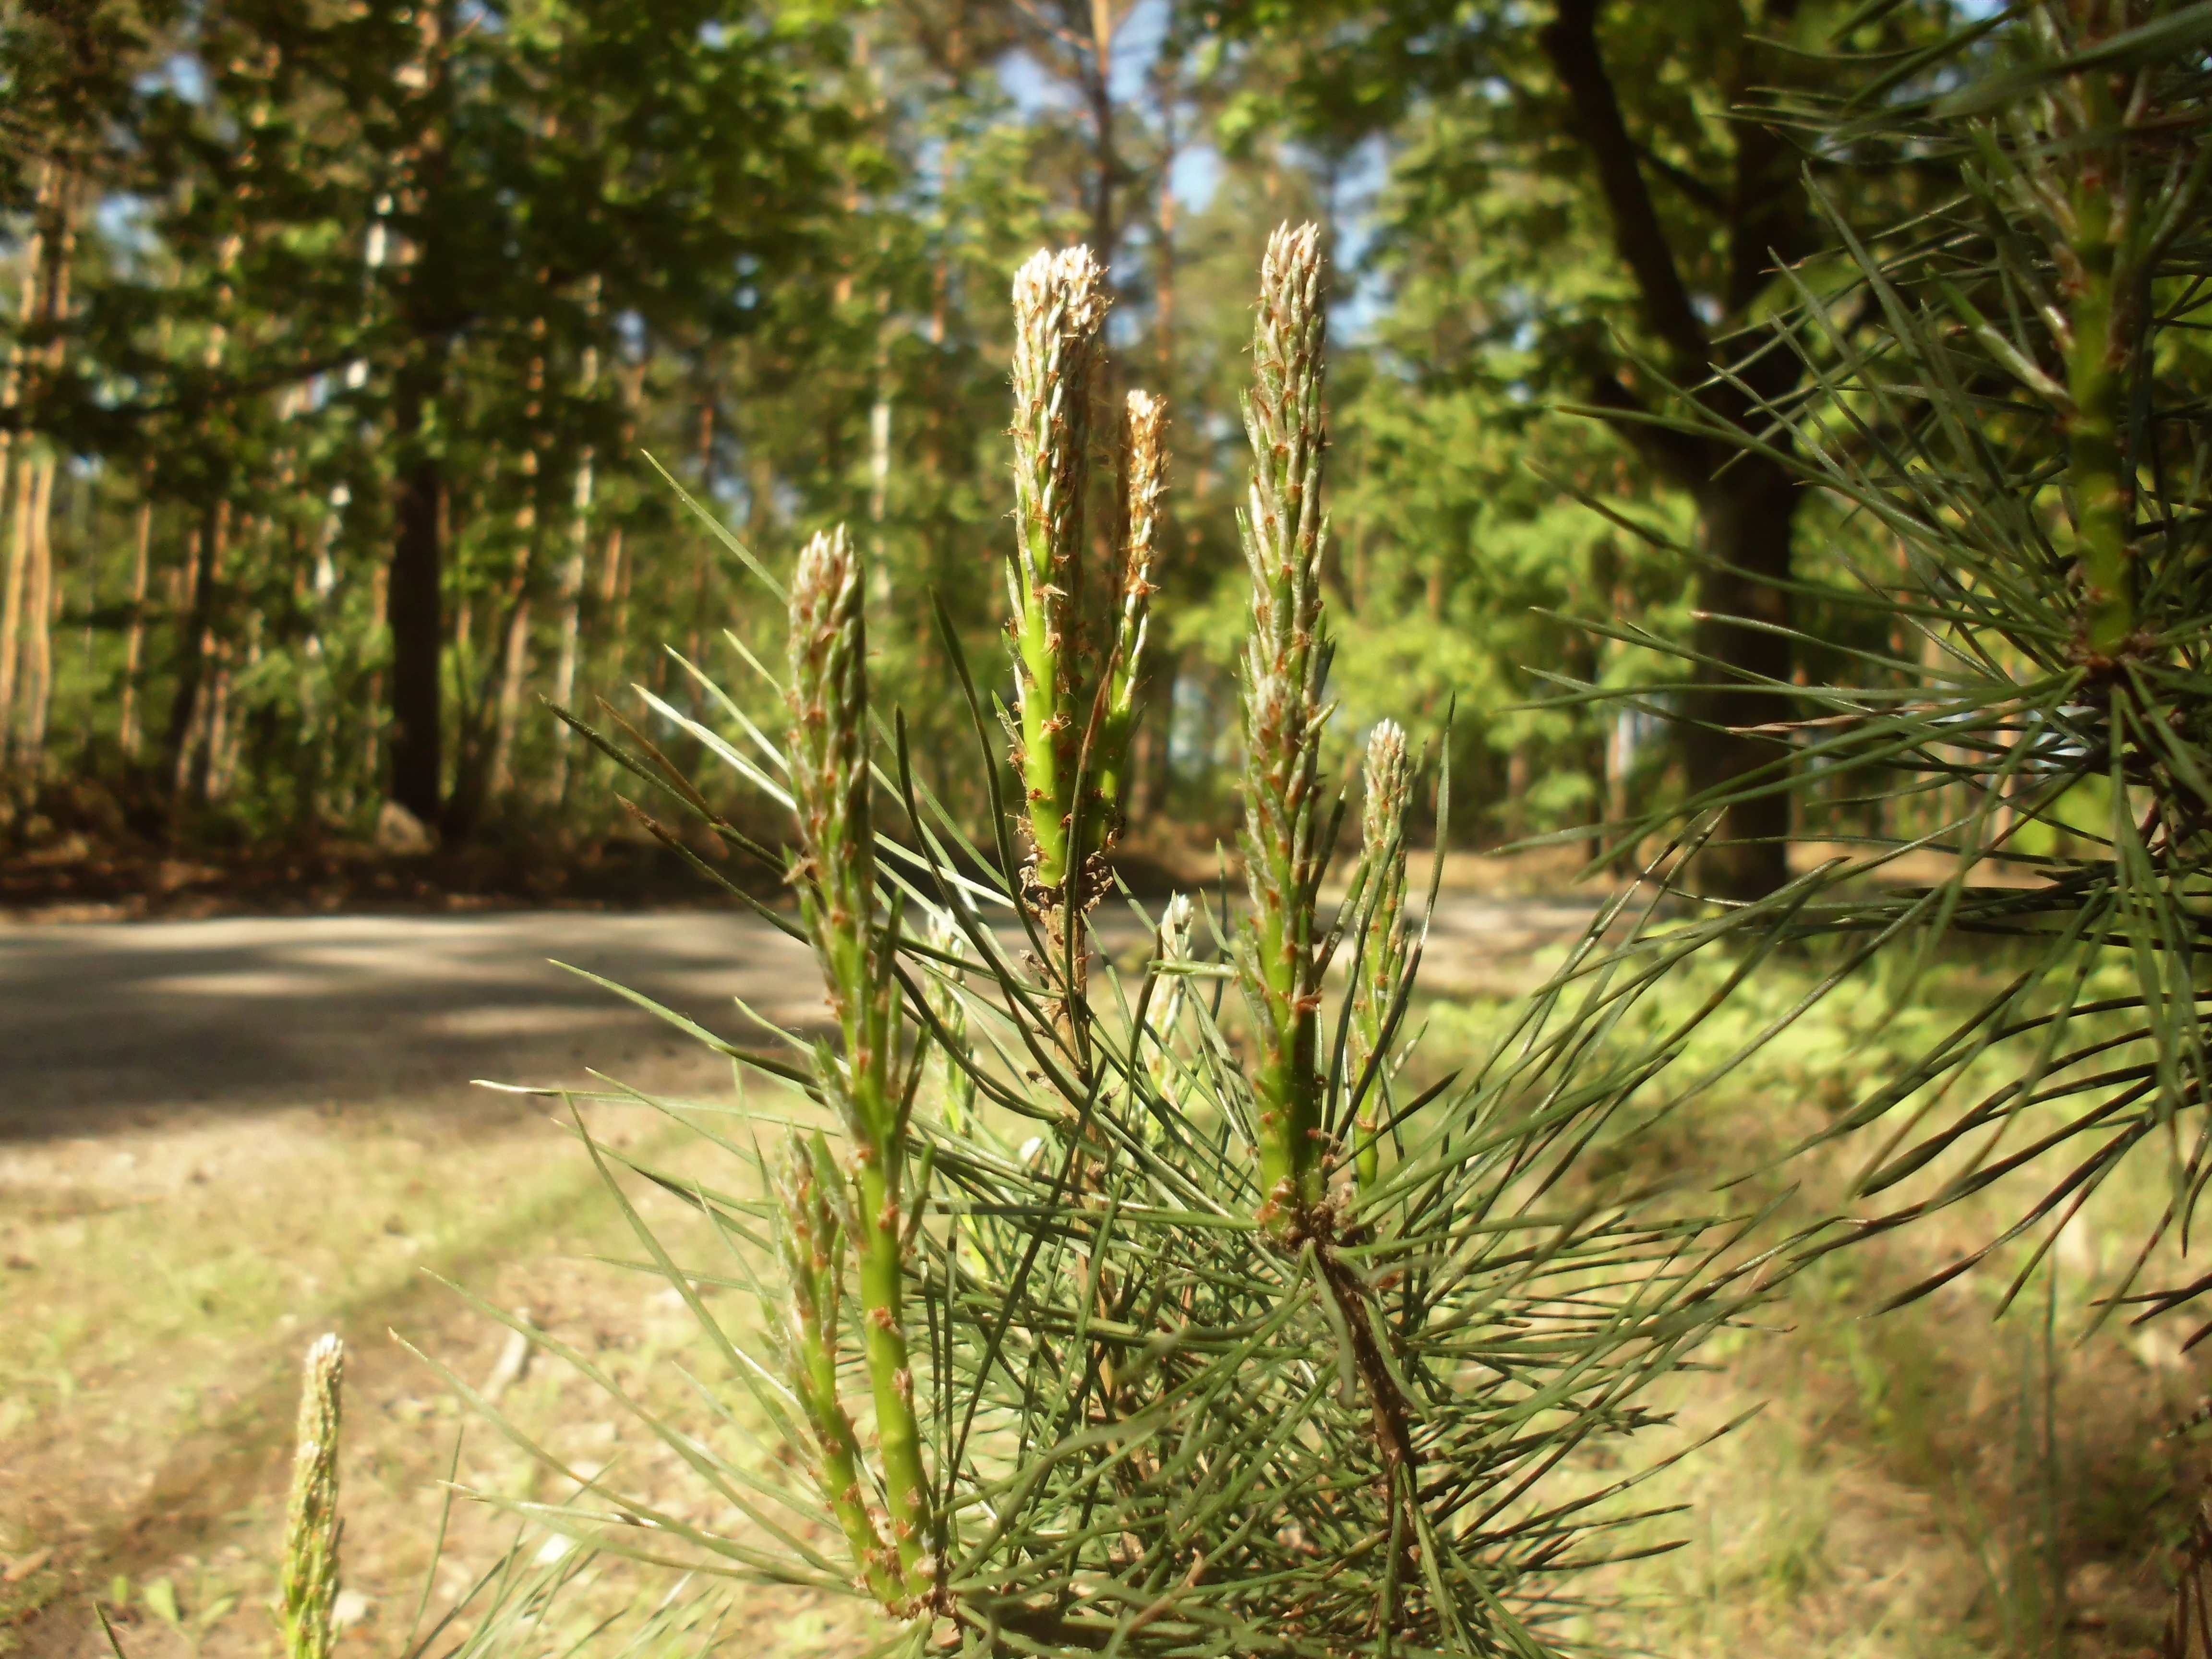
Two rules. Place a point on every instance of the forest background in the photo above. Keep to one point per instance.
(343, 338)
(343, 341)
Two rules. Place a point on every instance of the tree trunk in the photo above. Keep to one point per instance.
(614, 605)
(415, 609)
(1746, 515)
(134, 641)
(514, 662)
(14, 578)
(1099, 92)
(414, 593)
(13, 600)
(38, 616)
(37, 684)
(195, 646)
(1746, 504)
(572, 569)
(572, 621)
(369, 779)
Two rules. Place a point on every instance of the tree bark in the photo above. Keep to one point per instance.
(572, 569)
(38, 675)
(1099, 93)
(196, 643)
(414, 599)
(134, 644)
(514, 669)
(1747, 516)
(23, 621)
(414, 606)
(1746, 504)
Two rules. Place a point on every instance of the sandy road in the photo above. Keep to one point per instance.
(103, 1024)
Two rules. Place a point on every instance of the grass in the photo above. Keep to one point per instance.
(1926, 1483)
(165, 1284)
(1933, 1482)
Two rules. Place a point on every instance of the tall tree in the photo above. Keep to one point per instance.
(618, 162)
(1637, 213)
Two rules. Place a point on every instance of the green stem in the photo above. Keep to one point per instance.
(898, 1433)
(1285, 661)
(830, 786)
(840, 1471)
(1288, 1084)
(1047, 717)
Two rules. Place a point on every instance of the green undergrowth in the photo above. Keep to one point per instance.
(1992, 1469)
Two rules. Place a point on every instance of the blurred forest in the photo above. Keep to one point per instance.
(343, 337)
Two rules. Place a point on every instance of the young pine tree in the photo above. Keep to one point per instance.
(1100, 1313)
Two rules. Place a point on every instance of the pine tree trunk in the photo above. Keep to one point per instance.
(38, 681)
(1099, 93)
(414, 593)
(14, 479)
(572, 571)
(1746, 515)
(134, 641)
(613, 595)
(414, 607)
(514, 669)
(369, 779)
(195, 646)
(879, 448)
(210, 772)
(572, 621)
(14, 586)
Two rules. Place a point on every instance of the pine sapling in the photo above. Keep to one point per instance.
(1177, 1404)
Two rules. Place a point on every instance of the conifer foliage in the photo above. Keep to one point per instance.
(2006, 395)
(1105, 1315)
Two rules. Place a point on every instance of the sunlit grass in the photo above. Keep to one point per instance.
(1937, 1480)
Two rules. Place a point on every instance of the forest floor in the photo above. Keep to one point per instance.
(221, 1137)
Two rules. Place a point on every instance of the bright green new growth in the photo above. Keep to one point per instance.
(1145, 460)
(307, 1576)
(1285, 663)
(811, 1240)
(1059, 307)
(1078, 635)
(1386, 783)
(828, 698)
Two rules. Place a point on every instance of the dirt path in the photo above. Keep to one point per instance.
(104, 1024)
